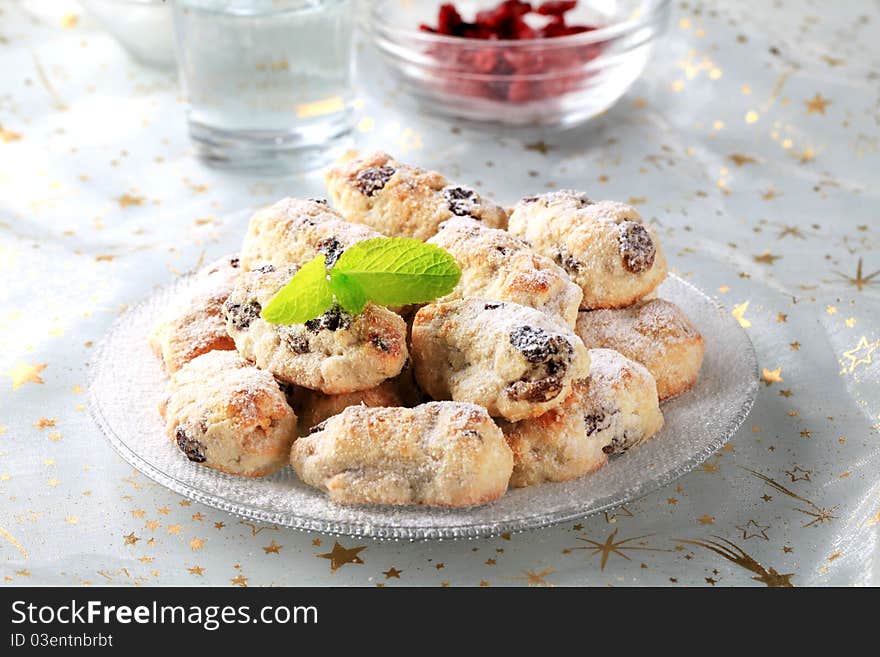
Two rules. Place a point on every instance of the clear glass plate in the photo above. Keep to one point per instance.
(128, 382)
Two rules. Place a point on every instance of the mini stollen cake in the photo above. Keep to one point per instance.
(512, 359)
(438, 454)
(227, 415)
(195, 324)
(613, 410)
(334, 353)
(313, 407)
(604, 246)
(400, 200)
(655, 333)
(496, 265)
(294, 231)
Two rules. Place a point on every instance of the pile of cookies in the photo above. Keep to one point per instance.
(550, 354)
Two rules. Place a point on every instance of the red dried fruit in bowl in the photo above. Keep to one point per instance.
(556, 7)
(448, 19)
(507, 73)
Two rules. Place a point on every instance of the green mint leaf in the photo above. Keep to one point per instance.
(348, 292)
(307, 295)
(397, 271)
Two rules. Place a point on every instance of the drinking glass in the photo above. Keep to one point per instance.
(267, 82)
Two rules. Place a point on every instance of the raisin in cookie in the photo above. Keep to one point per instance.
(334, 353)
(293, 231)
(404, 201)
(655, 333)
(512, 359)
(438, 454)
(604, 246)
(496, 265)
(228, 415)
(195, 324)
(608, 413)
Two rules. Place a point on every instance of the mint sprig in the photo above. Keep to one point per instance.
(389, 271)
(307, 295)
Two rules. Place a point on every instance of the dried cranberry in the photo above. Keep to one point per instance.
(448, 19)
(373, 179)
(556, 7)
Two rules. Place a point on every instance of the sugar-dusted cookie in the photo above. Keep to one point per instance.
(227, 415)
(438, 454)
(496, 265)
(293, 231)
(608, 413)
(400, 200)
(313, 407)
(512, 359)
(195, 323)
(603, 245)
(655, 333)
(334, 353)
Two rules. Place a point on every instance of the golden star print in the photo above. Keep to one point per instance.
(753, 530)
(612, 546)
(860, 281)
(392, 573)
(739, 313)
(770, 377)
(766, 258)
(533, 578)
(817, 104)
(23, 372)
(129, 200)
(861, 354)
(736, 555)
(340, 556)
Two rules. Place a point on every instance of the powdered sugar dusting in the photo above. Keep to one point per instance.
(128, 383)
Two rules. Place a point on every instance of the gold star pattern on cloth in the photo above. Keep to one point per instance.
(860, 281)
(861, 354)
(533, 578)
(753, 530)
(760, 193)
(770, 377)
(611, 546)
(739, 313)
(22, 373)
(392, 573)
(817, 104)
(339, 556)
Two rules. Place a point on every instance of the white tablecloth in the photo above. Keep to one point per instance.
(751, 142)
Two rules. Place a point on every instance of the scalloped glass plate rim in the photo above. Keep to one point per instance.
(407, 532)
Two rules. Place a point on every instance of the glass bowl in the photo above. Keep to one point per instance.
(559, 81)
(142, 27)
